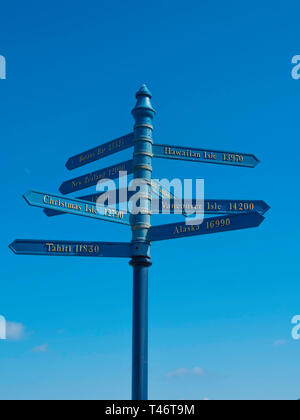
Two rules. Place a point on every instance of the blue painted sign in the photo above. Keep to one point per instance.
(165, 196)
(92, 198)
(210, 225)
(71, 248)
(160, 191)
(212, 206)
(204, 155)
(171, 205)
(77, 207)
(93, 178)
(100, 152)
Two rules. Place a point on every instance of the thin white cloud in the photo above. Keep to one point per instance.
(177, 372)
(40, 349)
(279, 343)
(15, 331)
(196, 371)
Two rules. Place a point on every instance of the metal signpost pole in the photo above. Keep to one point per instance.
(230, 215)
(143, 114)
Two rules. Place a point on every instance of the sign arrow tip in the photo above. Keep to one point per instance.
(256, 160)
(12, 247)
(47, 212)
(62, 190)
(26, 197)
(260, 218)
(267, 208)
(69, 165)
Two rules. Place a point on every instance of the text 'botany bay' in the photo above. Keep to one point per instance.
(100, 152)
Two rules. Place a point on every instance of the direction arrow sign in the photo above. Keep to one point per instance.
(203, 155)
(121, 195)
(212, 206)
(176, 206)
(93, 178)
(100, 152)
(160, 191)
(165, 196)
(92, 198)
(74, 206)
(210, 225)
(71, 248)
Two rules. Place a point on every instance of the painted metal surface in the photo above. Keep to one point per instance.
(101, 151)
(91, 179)
(211, 225)
(122, 195)
(205, 156)
(76, 207)
(143, 114)
(238, 214)
(140, 328)
(175, 206)
(171, 205)
(71, 248)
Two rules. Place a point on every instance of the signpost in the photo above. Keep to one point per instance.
(212, 206)
(172, 205)
(71, 248)
(89, 180)
(203, 155)
(77, 207)
(118, 195)
(101, 152)
(210, 225)
(232, 215)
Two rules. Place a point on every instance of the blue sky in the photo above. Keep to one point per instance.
(220, 305)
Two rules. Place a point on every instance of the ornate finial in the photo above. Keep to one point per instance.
(143, 103)
(144, 91)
